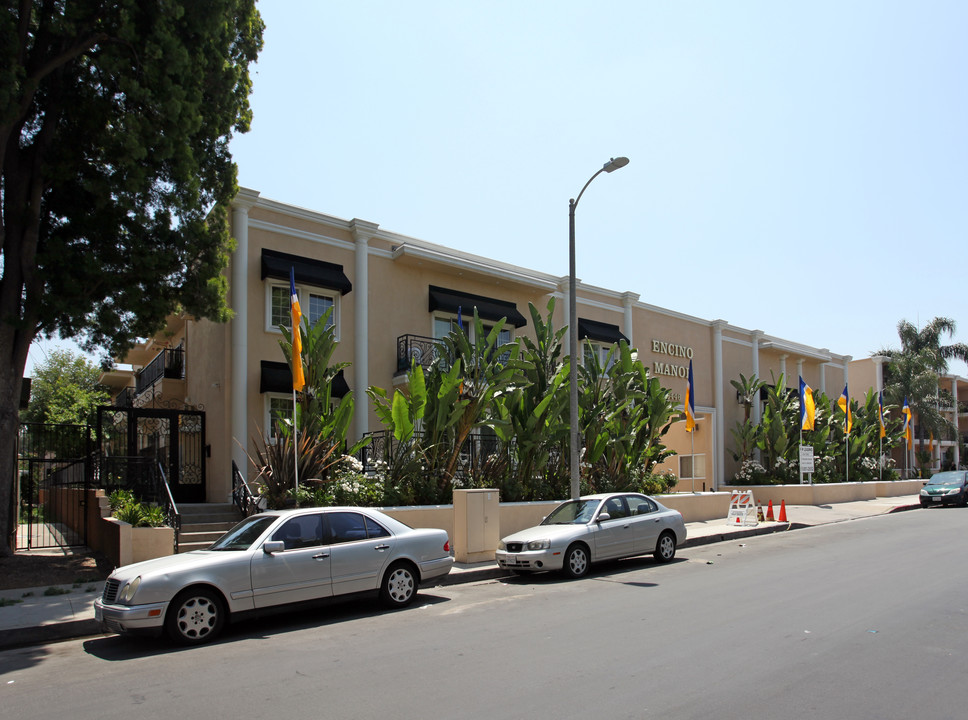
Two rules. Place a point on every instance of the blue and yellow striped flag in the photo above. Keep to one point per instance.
(844, 402)
(808, 409)
(908, 425)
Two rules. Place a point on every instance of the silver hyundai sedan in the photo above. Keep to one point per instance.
(580, 532)
(271, 560)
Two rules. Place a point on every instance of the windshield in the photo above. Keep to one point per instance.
(573, 512)
(947, 479)
(244, 534)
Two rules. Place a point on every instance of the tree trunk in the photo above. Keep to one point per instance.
(14, 345)
(10, 383)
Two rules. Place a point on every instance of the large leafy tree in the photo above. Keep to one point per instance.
(66, 389)
(115, 120)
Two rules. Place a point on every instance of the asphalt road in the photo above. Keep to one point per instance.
(864, 619)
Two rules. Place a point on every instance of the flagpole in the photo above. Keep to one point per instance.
(692, 440)
(295, 445)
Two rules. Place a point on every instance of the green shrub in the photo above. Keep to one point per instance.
(126, 508)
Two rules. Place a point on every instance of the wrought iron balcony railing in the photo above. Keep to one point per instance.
(125, 398)
(417, 348)
(169, 363)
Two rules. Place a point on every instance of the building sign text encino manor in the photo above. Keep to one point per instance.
(671, 369)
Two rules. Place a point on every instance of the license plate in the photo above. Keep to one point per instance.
(511, 559)
(936, 499)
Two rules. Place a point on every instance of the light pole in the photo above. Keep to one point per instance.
(575, 430)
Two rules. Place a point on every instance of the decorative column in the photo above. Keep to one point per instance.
(783, 372)
(755, 337)
(238, 327)
(823, 373)
(628, 299)
(719, 436)
(362, 231)
(879, 361)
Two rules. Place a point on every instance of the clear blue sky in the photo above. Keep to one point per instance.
(798, 168)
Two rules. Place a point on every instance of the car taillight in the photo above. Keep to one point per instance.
(447, 546)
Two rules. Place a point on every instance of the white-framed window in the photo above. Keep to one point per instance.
(313, 302)
(692, 467)
(600, 350)
(445, 322)
(278, 408)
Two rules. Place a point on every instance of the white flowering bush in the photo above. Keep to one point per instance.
(750, 473)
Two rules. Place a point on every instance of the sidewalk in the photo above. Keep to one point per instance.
(42, 616)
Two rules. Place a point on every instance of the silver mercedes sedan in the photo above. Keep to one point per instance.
(580, 532)
(270, 560)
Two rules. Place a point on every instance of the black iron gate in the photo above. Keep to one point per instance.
(54, 475)
(173, 438)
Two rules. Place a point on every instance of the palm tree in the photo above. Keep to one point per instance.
(928, 338)
(913, 371)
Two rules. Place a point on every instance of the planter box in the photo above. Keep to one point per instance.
(125, 544)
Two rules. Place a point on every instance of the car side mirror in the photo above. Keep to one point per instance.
(604, 516)
(271, 547)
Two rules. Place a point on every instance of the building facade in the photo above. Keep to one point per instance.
(390, 295)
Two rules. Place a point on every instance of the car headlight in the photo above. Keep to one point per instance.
(954, 491)
(539, 544)
(501, 545)
(924, 492)
(127, 592)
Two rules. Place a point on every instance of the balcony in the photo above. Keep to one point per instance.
(169, 363)
(125, 398)
(419, 349)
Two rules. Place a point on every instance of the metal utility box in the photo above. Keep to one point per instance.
(477, 524)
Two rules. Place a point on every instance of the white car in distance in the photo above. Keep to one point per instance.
(593, 528)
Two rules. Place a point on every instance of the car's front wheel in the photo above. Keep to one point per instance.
(665, 548)
(399, 586)
(577, 561)
(195, 616)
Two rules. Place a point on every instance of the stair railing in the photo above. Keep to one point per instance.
(172, 516)
(245, 500)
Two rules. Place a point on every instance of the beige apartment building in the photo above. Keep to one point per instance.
(391, 295)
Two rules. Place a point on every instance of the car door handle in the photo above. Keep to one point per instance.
(321, 556)
(382, 547)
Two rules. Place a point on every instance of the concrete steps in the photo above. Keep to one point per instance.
(204, 523)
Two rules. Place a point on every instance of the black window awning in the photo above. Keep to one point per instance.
(599, 331)
(320, 273)
(277, 378)
(487, 308)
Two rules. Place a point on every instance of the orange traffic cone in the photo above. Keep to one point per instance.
(769, 512)
(737, 520)
(783, 517)
(759, 512)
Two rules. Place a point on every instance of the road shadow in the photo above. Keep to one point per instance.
(258, 626)
(608, 571)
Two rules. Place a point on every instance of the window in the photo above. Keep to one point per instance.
(641, 505)
(278, 410)
(312, 304)
(346, 527)
(600, 351)
(616, 508)
(375, 529)
(301, 532)
(692, 467)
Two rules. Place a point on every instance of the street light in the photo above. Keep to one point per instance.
(574, 430)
